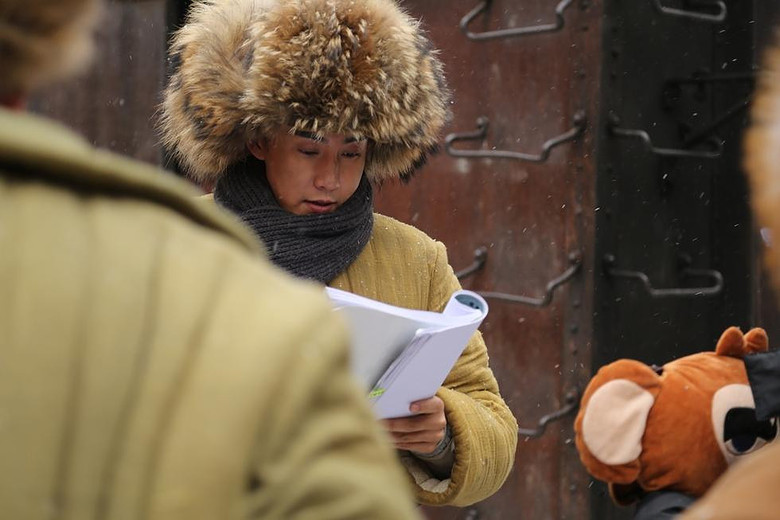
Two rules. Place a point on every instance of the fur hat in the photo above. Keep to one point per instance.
(762, 156)
(243, 69)
(43, 40)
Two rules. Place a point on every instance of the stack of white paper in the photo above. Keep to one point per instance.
(404, 355)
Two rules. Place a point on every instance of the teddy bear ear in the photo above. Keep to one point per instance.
(756, 340)
(612, 420)
(731, 343)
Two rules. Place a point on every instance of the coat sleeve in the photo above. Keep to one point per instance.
(483, 427)
(325, 457)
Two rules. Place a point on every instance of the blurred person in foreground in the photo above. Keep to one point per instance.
(152, 364)
(749, 490)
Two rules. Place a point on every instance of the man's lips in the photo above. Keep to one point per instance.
(320, 206)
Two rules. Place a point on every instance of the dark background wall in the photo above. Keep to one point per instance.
(607, 65)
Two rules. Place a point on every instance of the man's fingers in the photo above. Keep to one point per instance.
(427, 406)
(416, 423)
(401, 425)
(425, 437)
(429, 416)
(419, 447)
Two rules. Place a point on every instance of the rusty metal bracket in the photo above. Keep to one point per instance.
(616, 130)
(696, 15)
(481, 133)
(571, 402)
(575, 259)
(608, 265)
(480, 257)
(484, 6)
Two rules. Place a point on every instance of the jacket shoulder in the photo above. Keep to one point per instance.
(391, 231)
(36, 149)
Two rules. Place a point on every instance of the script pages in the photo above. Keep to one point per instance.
(404, 355)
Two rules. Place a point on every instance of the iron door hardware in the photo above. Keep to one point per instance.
(701, 82)
(705, 78)
(609, 262)
(707, 131)
(696, 15)
(570, 404)
(516, 31)
(575, 259)
(614, 129)
(480, 257)
(480, 134)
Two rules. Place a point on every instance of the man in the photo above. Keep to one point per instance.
(152, 365)
(295, 110)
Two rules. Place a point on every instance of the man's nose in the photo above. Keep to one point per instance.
(329, 175)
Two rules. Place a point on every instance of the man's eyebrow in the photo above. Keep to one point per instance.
(311, 135)
(320, 139)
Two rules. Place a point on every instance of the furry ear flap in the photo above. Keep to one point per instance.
(733, 343)
(611, 422)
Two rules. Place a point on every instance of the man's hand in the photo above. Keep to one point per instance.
(420, 433)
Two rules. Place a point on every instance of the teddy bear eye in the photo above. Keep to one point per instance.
(743, 433)
(744, 444)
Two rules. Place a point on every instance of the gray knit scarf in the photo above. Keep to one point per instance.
(318, 247)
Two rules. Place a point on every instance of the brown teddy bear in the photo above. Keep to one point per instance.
(676, 427)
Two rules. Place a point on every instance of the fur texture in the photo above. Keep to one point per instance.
(43, 40)
(244, 69)
(762, 156)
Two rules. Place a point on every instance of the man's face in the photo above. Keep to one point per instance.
(311, 175)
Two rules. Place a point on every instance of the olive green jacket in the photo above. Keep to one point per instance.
(402, 266)
(152, 366)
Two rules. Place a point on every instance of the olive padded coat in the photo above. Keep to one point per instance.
(153, 366)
